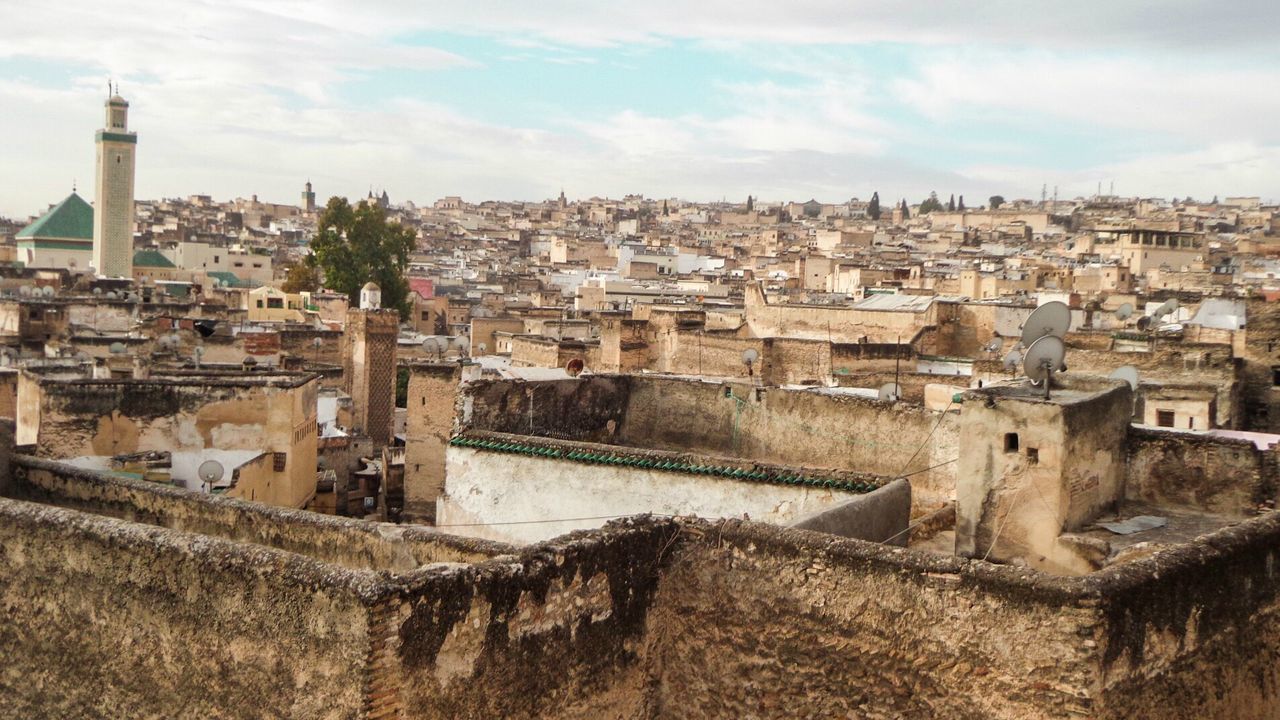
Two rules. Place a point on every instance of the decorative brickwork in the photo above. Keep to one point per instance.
(369, 370)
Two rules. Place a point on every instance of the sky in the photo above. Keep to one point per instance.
(517, 100)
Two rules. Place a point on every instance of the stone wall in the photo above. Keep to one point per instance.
(1198, 472)
(591, 408)
(127, 620)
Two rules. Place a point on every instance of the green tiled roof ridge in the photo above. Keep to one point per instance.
(609, 455)
(70, 219)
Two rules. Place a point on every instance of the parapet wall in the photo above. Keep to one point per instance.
(644, 618)
(1225, 476)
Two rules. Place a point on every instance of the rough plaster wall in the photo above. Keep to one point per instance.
(749, 624)
(590, 408)
(554, 632)
(122, 620)
(1195, 472)
(491, 487)
(797, 428)
(432, 395)
(348, 543)
(879, 516)
(1194, 632)
(1176, 364)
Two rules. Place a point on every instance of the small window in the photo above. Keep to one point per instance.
(278, 461)
(1275, 375)
(1033, 456)
(1164, 418)
(728, 391)
(1011, 442)
(259, 304)
(275, 303)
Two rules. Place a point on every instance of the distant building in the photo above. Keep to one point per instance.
(308, 199)
(113, 202)
(61, 238)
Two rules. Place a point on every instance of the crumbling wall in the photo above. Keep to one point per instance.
(801, 428)
(124, 620)
(590, 408)
(1197, 472)
(344, 542)
(760, 622)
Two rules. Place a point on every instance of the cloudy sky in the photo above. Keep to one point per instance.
(703, 100)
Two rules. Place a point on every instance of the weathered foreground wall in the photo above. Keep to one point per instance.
(111, 619)
(644, 618)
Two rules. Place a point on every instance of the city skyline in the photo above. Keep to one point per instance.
(504, 102)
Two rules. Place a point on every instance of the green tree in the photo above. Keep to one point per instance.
(995, 201)
(301, 278)
(873, 207)
(751, 203)
(354, 245)
(960, 205)
(951, 204)
(906, 214)
(930, 204)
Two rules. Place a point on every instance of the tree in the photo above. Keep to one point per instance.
(995, 201)
(906, 214)
(931, 204)
(1215, 200)
(873, 207)
(951, 204)
(960, 205)
(751, 203)
(301, 278)
(665, 212)
(354, 245)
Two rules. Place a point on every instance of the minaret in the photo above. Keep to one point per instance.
(308, 199)
(113, 197)
(369, 365)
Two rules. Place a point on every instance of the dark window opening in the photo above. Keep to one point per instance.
(278, 461)
(1011, 442)
(1275, 375)
(1164, 418)
(1033, 456)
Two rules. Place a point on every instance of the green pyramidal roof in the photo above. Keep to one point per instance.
(151, 258)
(71, 219)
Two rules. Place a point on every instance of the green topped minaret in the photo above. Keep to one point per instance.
(113, 197)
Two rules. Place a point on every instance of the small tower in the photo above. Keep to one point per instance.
(308, 199)
(369, 365)
(370, 296)
(113, 199)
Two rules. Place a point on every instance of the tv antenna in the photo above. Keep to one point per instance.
(1128, 373)
(890, 392)
(1051, 318)
(1043, 359)
(210, 472)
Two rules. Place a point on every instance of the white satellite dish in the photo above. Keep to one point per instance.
(1169, 306)
(1043, 359)
(1051, 318)
(749, 356)
(111, 295)
(210, 472)
(97, 291)
(994, 345)
(483, 347)
(1128, 373)
(116, 348)
(47, 291)
(1124, 311)
(25, 291)
(890, 392)
(1012, 360)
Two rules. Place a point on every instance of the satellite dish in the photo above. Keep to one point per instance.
(97, 291)
(890, 392)
(1128, 373)
(1169, 306)
(1051, 318)
(111, 295)
(25, 291)
(1124, 311)
(316, 343)
(483, 347)
(116, 348)
(1144, 322)
(995, 345)
(574, 367)
(1012, 360)
(47, 291)
(749, 356)
(1043, 359)
(210, 472)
